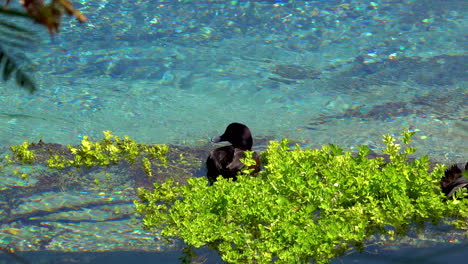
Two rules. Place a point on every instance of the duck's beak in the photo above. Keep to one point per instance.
(216, 139)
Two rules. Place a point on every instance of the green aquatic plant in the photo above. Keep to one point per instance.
(249, 163)
(22, 153)
(109, 150)
(307, 204)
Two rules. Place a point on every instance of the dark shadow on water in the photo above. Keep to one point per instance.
(451, 253)
(54, 257)
(440, 255)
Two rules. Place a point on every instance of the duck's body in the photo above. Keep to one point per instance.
(225, 161)
(453, 180)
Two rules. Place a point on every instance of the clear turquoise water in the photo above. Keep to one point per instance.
(178, 73)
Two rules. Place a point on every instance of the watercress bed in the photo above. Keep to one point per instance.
(306, 205)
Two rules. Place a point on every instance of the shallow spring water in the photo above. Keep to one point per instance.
(316, 72)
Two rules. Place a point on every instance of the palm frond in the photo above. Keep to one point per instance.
(10, 68)
(14, 27)
(14, 13)
(13, 36)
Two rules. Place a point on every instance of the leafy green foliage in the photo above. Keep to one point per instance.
(110, 150)
(307, 204)
(249, 163)
(22, 153)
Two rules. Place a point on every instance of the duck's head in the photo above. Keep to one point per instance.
(453, 179)
(238, 135)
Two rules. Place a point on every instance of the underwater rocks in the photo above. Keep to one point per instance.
(381, 111)
(433, 71)
(394, 85)
(431, 106)
(358, 75)
(295, 72)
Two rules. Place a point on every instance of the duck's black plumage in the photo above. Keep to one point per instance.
(453, 180)
(225, 160)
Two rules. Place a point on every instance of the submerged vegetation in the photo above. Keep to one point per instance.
(307, 204)
(110, 150)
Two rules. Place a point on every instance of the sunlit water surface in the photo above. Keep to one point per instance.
(315, 72)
